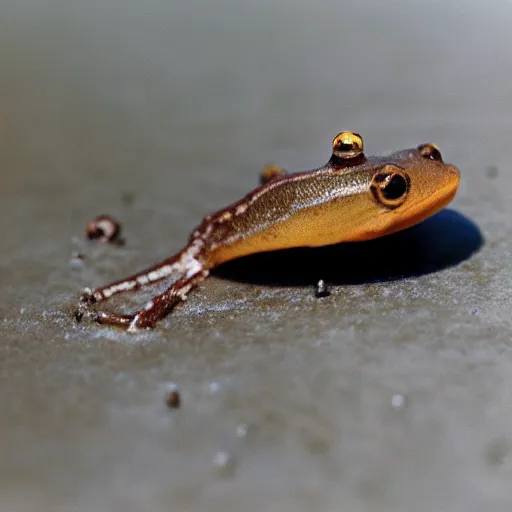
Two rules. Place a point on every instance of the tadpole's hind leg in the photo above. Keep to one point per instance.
(184, 270)
(156, 309)
(134, 282)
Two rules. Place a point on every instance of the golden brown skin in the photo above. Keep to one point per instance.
(352, 198)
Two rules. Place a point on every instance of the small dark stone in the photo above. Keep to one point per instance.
(173, 399)
(321, 290)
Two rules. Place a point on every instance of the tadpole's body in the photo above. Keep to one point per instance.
(351, 198)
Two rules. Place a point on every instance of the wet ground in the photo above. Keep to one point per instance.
(392, 394)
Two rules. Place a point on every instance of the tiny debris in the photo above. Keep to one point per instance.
(104, 229)
(321, 290)
(172, 396)
(173, 400)
(398, 402)
(223, 463)
(474, 311)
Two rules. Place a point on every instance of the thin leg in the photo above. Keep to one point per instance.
(156, 309)
(134, 282)
(185, 270)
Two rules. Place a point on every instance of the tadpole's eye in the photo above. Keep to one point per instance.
(347, 145)
(430, 151)
(390, 186)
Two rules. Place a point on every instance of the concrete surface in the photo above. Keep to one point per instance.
(393, 394)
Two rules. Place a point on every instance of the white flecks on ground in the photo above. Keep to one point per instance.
(170, 387)
(213, 387)
(242, 430)
(398, 402)
(224, 464)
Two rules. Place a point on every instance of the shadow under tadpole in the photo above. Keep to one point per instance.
(441, 241)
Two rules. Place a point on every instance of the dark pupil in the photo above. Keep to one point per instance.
(395, 187)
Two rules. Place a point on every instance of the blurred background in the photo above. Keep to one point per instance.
(392, 394)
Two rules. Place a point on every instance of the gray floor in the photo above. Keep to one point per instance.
(393, 394)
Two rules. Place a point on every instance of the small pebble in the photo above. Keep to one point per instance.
(321, 290)
(223, 463)
(104, 229)
(398, 402)
(173, 400)
(172, 396)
